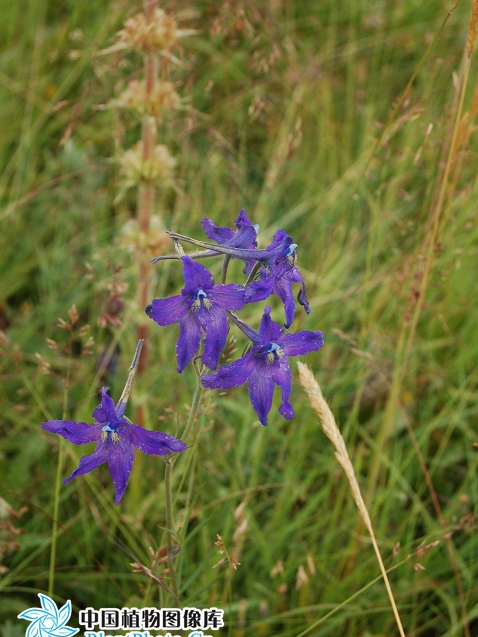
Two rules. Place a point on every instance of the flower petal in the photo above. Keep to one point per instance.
(294, 275)
(216, 233)
(261, 391)
(232, 375)
(214, 323)
(302, 299)
(88, 463)
(230, 297)
(269, 330)
(301, 343)
(259, 290)
(154, 443)
(105, 412)
(280, 242)
(282, 376)
(283, 289)
(195, 276)
(242, 220)
(120, 464)
(188, 341)
(79, 433)
(246, 234)
(167, 311)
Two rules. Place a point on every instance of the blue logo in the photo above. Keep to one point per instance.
(48, 621)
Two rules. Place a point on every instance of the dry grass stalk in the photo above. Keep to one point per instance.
(472, 31)
(332, 432)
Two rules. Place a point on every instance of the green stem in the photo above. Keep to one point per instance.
(59, 469)
(170, 546)
(54, 531)
(225, 265)
(254, 271)
(170, 525)
(198, 392)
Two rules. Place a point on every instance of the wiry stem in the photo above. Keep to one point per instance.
(170, 526)
(121, 404)
(171, 547)
(54, 531)
(59, 469)
(198, 392)
(192, 255)
(225, 265)
(254, 271)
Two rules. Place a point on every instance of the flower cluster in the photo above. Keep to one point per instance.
(204, 311)
(204, 307)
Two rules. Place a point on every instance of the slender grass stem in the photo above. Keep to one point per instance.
(59, 469)
(170, 525)
(196, 402)
(56, 508)
(170, 546)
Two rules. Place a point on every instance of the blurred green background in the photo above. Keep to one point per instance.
(298, 112)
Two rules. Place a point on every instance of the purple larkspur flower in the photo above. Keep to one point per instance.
(266, 365)
(267, 257)
(116, 442)
(243, 237)
(278, 279)
(201, 307)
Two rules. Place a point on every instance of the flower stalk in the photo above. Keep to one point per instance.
(172, 549)
(171, 552)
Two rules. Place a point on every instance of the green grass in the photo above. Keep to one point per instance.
(296, 145)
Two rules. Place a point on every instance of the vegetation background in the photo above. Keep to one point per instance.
(304, 114)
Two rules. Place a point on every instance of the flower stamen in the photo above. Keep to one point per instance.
(274, 353)
(202, 300)
(109, 431)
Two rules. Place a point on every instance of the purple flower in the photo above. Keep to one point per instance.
(116, 442)
(201, 306)
(265, 365)
(278, 280)
(273, 253)
(244, 237)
